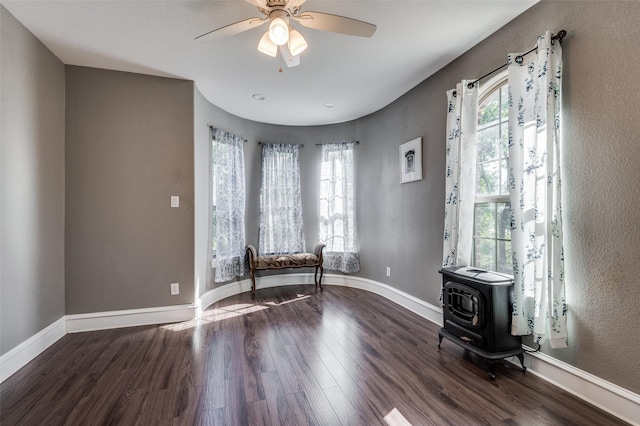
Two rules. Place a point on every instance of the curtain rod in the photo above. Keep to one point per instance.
(320, 144)
(299, 144)
(561, 34)
(212, 128)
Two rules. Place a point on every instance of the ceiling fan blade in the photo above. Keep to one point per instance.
(291, 61)
(335, 24)
(235, 28)
(295, 4)
(261, 4)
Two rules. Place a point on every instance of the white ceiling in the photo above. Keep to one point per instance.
(413, 40)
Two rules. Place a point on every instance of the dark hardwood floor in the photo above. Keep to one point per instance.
(291, 356)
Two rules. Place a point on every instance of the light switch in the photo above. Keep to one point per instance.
(175, 201)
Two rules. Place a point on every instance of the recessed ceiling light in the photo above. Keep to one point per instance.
(329, 105)
(258, 97)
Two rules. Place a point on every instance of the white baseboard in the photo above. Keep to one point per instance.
(420, 307)
(129, 318)
(219, 293)
(267, 281)
(605, 395)
(26, 351)
(426, 310)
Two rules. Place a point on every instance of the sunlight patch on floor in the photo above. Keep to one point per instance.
(231, 311)
(228, 312)
(395, 418)
(179, 326)
(298, 297)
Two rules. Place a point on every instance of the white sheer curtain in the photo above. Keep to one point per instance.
(539, 305)
(227, 164)
(337, 216)
(281, 228)
(462, 125)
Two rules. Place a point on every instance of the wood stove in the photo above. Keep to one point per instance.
(477, 314)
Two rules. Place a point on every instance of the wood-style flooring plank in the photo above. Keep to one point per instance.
(348, 409)
(258, 413)
(236, 406)
(277, 405)
(291, 356)
(302, 412)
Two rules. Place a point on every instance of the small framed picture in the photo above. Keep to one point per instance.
(411, 161)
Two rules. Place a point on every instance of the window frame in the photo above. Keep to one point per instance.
(331, 221)
(212, 212)
(494, 85)
(213, 215)
(291, 157)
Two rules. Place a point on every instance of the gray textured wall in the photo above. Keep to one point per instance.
(601, 178)
(129, 147)
(207, 114)
(400, 225)
(32, 184)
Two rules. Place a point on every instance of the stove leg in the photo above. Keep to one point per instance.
(439, 340)
(521, 358)
(492, 371)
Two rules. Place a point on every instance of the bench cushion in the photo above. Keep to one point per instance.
(286, 260)
(282, 261)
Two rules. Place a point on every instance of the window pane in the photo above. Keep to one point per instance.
(280, 201)
(504, 95)
(504, 221)
(487, 144)
(485, 220)
(492, 215)
(504, 177)
(214, 228)
(489, 110)
(485, 250)
(504, 258)
(504, 139)
(487, 178)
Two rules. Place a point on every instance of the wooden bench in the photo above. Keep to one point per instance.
(283, 261)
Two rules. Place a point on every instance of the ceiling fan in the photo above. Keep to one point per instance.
(281, 35)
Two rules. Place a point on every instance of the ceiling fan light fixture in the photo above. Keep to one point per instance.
(281, 36)
(279, 27)
(297, 43)
(266, 46)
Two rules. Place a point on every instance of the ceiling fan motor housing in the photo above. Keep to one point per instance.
(276, 3)
(279, 13)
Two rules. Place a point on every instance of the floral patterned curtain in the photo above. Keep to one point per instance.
(281, 228)
(227, 166)
(462, 125)
(337, 226)
(539, 305)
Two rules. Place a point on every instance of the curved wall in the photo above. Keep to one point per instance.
(400, 225)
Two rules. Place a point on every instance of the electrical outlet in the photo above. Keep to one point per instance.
(175, 288)
(388, 271)
(175, 201)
